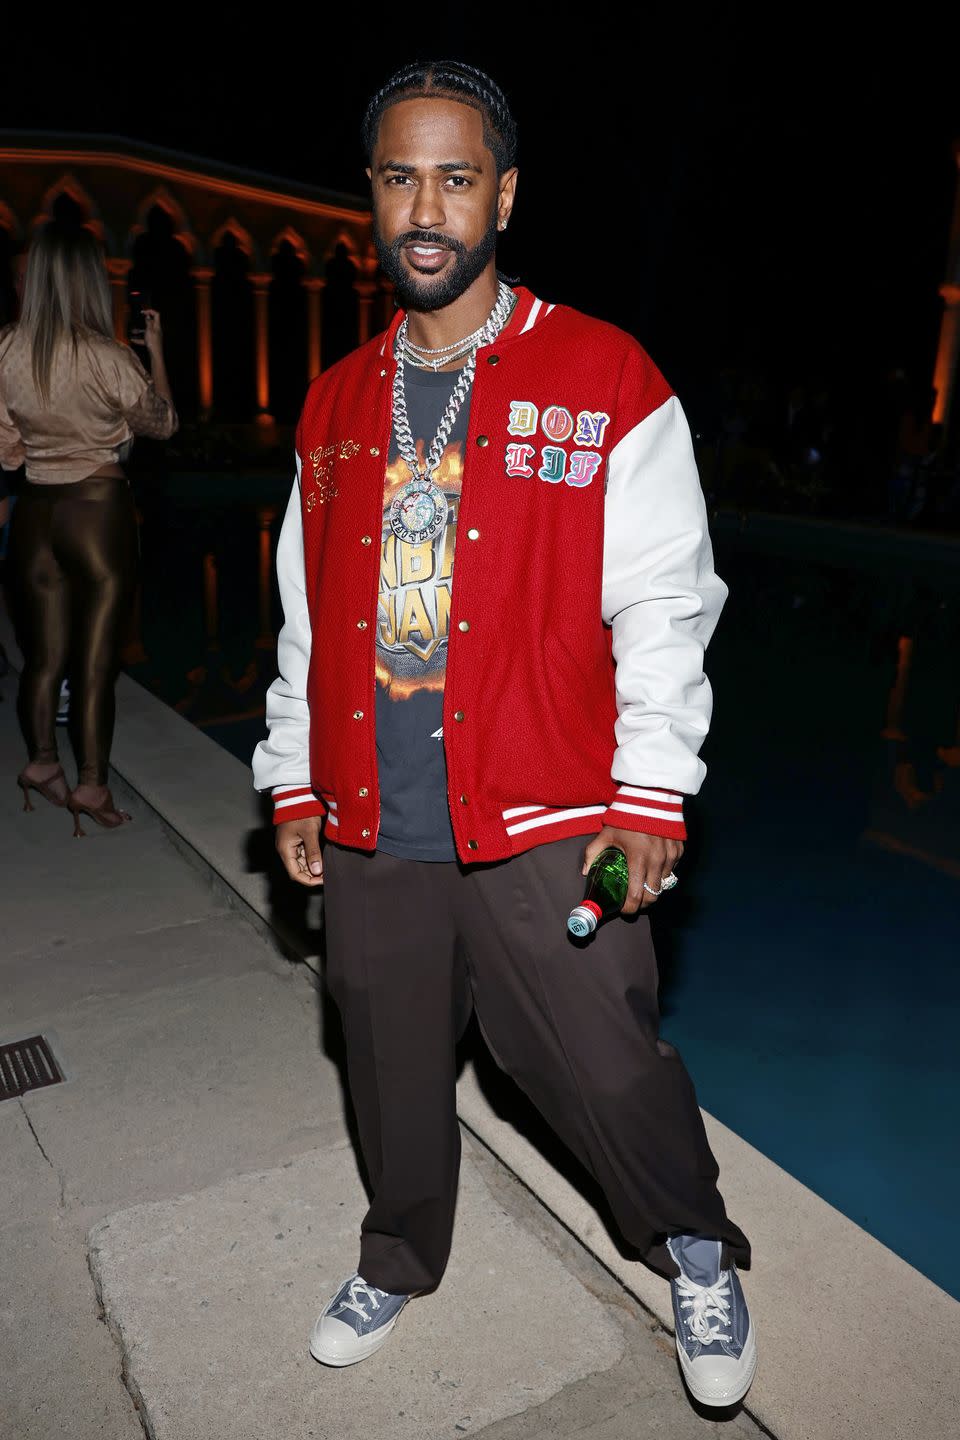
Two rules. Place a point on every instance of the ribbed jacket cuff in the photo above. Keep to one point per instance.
(295, 802)
(650, 811)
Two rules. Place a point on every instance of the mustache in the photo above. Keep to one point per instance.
(428, 237)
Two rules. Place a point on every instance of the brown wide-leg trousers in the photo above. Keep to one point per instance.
(412, 947)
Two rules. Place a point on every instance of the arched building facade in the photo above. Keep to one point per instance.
(260, 282)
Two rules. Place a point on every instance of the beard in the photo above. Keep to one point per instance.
(434, 292)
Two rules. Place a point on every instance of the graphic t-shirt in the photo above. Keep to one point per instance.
(413, 615)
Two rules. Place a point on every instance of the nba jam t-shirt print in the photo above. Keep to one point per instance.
(413, 613)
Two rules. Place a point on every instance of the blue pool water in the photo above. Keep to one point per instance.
(810, 972)
(809, 956)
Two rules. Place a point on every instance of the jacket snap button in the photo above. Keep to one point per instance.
(473, 844)
(492, 359)
(358, 714)
(374, 449)
(458, 715)
(473, 534)
(365, 540)
(382, 373)
(361, 624)
(482, 440)
(464, 625)
(363, 792)
(464, 800)
(365, 834)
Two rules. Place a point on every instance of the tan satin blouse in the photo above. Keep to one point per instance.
(100, 398)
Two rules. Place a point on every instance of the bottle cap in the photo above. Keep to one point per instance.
(582, 919)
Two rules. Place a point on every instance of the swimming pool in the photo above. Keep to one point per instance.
(810, 969)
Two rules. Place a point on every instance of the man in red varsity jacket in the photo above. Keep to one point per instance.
(498, 586)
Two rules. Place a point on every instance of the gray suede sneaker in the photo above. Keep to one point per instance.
(355, 1323)
(715, 1340)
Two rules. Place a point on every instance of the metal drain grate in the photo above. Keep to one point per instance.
(27, 1065)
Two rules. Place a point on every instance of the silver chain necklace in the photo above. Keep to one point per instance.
(487, 332)
(431, 357)
(450, 357)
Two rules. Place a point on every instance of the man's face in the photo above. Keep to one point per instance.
(436, 200)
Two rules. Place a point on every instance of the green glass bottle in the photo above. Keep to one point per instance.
(607, 882)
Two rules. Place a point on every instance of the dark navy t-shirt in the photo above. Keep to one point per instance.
(413, 614)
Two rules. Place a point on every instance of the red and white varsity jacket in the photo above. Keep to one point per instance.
(583, 596)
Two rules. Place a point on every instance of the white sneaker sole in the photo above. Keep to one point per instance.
(365, 1345)
(721, 1394)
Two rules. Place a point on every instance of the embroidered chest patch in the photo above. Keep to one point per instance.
(323, 458)
(553, 462)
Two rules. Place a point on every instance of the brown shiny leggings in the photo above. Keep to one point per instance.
(74, 552)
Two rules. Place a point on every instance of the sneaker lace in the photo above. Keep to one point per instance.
(354, 1303)
(705, 1302)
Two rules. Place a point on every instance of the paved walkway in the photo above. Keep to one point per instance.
(193, 1183)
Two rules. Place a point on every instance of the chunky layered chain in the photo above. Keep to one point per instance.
(401, 422)
(487, 332)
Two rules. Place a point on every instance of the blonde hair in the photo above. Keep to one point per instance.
(65, 292)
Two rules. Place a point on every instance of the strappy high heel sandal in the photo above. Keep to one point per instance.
(106, 814)
(27, 783)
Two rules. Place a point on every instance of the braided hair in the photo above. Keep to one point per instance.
(448, 80)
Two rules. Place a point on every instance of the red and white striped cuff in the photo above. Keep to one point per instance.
(652, 812)
(295, 802)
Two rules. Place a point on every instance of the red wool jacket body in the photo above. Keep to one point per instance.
(580, 599)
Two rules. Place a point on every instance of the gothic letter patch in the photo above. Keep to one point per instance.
(523, 418)
(518, 454)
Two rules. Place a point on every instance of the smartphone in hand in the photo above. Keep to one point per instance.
(137, 302)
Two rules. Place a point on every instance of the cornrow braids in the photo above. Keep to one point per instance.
(448, 80)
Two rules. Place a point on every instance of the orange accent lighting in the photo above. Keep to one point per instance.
(213, 183)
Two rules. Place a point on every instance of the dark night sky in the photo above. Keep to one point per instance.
(726, 192)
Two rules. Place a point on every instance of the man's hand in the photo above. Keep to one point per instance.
(649, 858)
(298, 845)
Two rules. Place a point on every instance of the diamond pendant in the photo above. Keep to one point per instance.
(419, 512)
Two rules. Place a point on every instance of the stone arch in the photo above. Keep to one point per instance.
(68, 185)
(288, 327)
(343, 239)
(232, 325)
(67, 197)
(161, 268)
(244, 239)
(161, 198)
(341, 311)
(295, 240)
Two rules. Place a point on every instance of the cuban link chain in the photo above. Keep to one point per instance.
(401, 423)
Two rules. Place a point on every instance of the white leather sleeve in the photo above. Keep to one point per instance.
(283, 758)
(662, 598)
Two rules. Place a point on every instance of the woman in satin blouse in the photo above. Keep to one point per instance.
(72, 398)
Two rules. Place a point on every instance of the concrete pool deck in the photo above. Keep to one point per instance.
(194, 1176)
